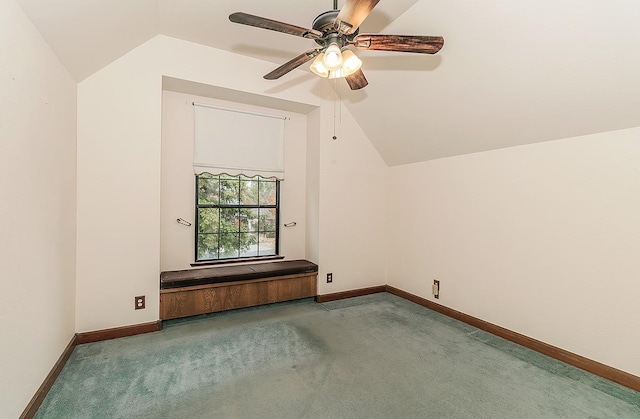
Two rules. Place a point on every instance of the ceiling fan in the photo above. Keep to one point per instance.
(335, 31)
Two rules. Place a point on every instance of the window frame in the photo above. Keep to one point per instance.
(238, 206)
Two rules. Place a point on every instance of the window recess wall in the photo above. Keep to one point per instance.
(178, 192)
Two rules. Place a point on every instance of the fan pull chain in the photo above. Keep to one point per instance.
(335, 98)
(340, 87)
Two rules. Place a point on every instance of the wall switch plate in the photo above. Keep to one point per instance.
(139, 302)
(436, 288)
(329, 278)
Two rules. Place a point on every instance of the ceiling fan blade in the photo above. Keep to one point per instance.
(292, 64)
(357, 80)
(353, 13)
(400, 43)
(274, 25)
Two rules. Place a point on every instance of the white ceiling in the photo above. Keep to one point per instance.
(510, 73)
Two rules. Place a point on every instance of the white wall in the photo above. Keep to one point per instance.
(118, 244)
(178, 184)
(541, 239)
(37, 209)
(119, 164)
(312, 207)
(353, 207)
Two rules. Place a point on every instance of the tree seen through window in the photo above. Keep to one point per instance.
(237, 217)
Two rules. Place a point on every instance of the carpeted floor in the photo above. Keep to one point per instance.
(377, 356)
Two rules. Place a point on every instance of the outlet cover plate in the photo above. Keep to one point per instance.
(139, 302)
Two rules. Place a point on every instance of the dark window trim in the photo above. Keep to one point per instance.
(238, 259)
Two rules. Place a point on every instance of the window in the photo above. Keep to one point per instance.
(236, 217)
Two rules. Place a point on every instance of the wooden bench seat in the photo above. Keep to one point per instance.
(199, 291)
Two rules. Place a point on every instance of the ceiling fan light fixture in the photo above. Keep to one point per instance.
(336, 30)
(317, 66)
(332, 59)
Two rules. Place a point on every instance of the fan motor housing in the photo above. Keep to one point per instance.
(325, 23)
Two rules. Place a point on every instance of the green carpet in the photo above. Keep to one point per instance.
(377, 356)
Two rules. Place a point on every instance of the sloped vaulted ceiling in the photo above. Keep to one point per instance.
(510, 73)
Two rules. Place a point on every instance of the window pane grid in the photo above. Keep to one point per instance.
(237, 220)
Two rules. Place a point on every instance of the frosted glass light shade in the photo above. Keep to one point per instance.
(318, 68)
(332, 58)
(350, 63)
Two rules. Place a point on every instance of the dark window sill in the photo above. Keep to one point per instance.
(239, 260)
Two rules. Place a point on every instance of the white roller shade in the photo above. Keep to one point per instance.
(237, 142)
